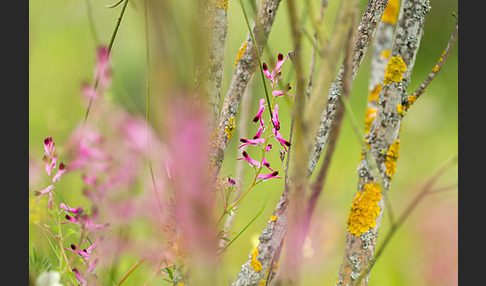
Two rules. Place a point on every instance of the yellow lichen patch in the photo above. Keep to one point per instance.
(369, 117)
(391, 158)
(375, 93)
(240, 52)
(230, 128)
(394, 70)
(390, 14)
(385, 54)
(263, 282)
(221, 4)
(411, 99)
(365, 209)
(254, 263)
(401, 109)
(436, 68)
(273, 218)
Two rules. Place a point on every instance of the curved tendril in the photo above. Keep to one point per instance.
(114, 5)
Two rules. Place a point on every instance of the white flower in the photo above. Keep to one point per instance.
(50, 278)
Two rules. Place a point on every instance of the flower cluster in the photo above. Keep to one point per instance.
(274, 76)
(50, 163)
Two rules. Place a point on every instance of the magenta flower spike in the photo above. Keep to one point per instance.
(261, 108)
(70, 210)
(281, 140)
(50, 158)
(253, 142)
(252, 162)
(265, 177)
(275, 120)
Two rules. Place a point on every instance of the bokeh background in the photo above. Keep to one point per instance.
(62, 48)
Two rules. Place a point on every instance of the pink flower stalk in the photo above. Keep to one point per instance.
(252, 162)
(281, 140)
(261, 108)
(102, 69)
(275, 120)
(253, 142)
(274, 76)
(60, 171)
(282, 92)
(265, 177)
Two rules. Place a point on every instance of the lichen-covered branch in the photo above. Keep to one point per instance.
(383, 140)
(365, 32)
(244, 70)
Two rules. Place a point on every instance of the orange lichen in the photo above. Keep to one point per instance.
(391, 158)
(254, 263)
(394, 70)
(390, 14)
(240, 52)
(273, 218)
(364, 209)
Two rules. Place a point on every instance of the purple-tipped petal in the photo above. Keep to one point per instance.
(253, 142)
(265, 177)
(252, 162)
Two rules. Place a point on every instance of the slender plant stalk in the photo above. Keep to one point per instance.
(130, 271)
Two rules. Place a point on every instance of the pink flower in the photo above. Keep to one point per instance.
(274, 76)
(261, 128)
(280, 139)
(275, 120)
(266, 163)
(79, 278)
(50, 157)
(231, 182)
(102, 69)
(265, 177)
(267, 149)
(253, 142)
(281, 92)
(252, 162)
(260, 110)
(60, 171)
(45, 191)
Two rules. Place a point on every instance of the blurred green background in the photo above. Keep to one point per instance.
(62, 56)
